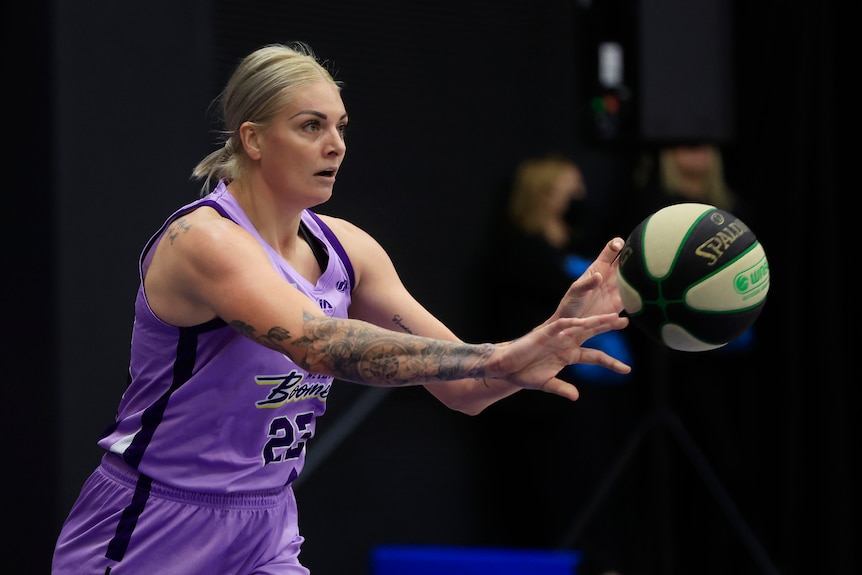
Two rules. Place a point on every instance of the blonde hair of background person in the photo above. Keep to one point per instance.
(693, 171)
(542, 191)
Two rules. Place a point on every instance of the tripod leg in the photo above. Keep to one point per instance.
(721, 495)
(606, 483)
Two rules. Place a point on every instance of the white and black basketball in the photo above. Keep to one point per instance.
(693, 277)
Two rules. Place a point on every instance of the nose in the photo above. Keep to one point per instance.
(335, 144)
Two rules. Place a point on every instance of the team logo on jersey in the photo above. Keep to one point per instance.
(341, 285)
(327, 307)
(292, 387)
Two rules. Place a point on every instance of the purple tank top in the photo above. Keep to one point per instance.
(209, 410)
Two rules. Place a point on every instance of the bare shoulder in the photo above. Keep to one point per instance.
(369, 258)
(203, 237)
(200, 255)
(345, 230)
(360, 245)
(202, 241)
(201, 225)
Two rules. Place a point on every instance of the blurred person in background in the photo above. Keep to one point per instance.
(709, 391)
(536, 251)
(682, 172)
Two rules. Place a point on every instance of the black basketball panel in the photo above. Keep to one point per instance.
(713, 327)
(715, 241)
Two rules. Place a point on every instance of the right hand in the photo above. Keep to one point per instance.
(534, 360)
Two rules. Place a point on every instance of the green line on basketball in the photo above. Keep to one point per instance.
(693, 277)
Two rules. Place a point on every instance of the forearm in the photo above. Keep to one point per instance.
(360, 352)
(472, 396)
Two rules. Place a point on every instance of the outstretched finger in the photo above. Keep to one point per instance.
(598, 357)
(562, 388)
(585, 328)
(611, 250)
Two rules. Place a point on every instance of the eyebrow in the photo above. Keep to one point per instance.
(320, 115)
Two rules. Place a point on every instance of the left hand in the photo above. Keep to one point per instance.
(595, 291)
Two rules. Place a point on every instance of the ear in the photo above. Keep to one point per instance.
(249, 135)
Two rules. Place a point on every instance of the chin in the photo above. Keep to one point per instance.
(322, 197)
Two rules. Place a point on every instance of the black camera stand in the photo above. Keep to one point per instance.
(663, 416)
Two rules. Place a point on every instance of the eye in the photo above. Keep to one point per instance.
(342, 129)
(311, 126)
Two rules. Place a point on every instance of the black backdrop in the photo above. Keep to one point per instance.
(107, 113)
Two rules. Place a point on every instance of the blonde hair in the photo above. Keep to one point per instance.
(533, 179)
(262, 84)
(715, 188)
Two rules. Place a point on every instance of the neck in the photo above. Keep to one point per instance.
(276, 223)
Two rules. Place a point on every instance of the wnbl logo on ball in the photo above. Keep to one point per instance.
(754, 280)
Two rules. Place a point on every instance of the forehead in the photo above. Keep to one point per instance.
(319, 96)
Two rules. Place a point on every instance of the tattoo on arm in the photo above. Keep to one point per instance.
(177, 226)
(272, 339)
(396, 319)
(363, 353)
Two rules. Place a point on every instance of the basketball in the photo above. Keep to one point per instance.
(693, 277)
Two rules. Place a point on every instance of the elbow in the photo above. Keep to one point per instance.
(470, 397)
(465, 396)
(466, 407)
(473, 410)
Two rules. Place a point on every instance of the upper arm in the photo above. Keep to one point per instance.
(381, 298)
(206, 266)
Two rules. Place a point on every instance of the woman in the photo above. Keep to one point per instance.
(250, 305)
(682, 172)
(536, 239)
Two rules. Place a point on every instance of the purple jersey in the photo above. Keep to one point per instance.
(208, 438)
(209, 410)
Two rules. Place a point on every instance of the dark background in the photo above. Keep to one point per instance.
(107, 111)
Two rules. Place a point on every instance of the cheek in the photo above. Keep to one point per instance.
(281, 154)
(281, 169)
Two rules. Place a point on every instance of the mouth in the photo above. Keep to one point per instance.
(329, 173)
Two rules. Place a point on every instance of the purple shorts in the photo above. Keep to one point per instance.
(123, 524)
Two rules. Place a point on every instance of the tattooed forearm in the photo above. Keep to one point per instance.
(367, 354)
(363, 353)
